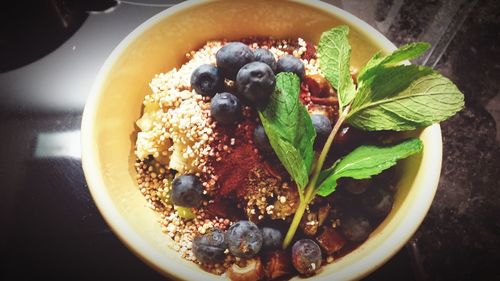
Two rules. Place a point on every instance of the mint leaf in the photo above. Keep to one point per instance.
(289, 128)
(405, 52)
(291, 158)
(367, 161)
(370, 65)
(404, 97)
(334, 59)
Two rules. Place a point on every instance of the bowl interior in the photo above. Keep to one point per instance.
(160, 44)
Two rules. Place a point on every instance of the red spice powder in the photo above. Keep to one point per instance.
(237, 160)
(233, 173)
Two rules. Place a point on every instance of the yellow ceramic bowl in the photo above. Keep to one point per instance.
(158, 45)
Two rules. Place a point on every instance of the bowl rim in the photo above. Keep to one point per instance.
(133, 241)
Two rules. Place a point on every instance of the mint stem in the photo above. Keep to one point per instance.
(310, 189)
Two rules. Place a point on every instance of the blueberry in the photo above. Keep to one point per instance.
(265, 56)
(261, 140)
(323, 127)
(187, 191)
(244, 239)
(206, 80)
(355, 227)
(306, 256)
(255, 82)
(210, 247)
(225, 108)
(289, 63)
(272, 238)
(233, 56)
(378, 202)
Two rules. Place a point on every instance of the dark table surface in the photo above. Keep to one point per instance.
(51, 52)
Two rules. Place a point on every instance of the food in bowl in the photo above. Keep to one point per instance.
(246, 142)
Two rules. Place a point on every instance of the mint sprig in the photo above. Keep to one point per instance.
(389, 96)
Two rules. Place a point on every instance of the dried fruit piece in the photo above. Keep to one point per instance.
(319, 87)
(314, 219)
(278, 265)
(330, 240)
(328, 101)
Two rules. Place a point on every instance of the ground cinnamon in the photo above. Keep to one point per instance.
(237, 156)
